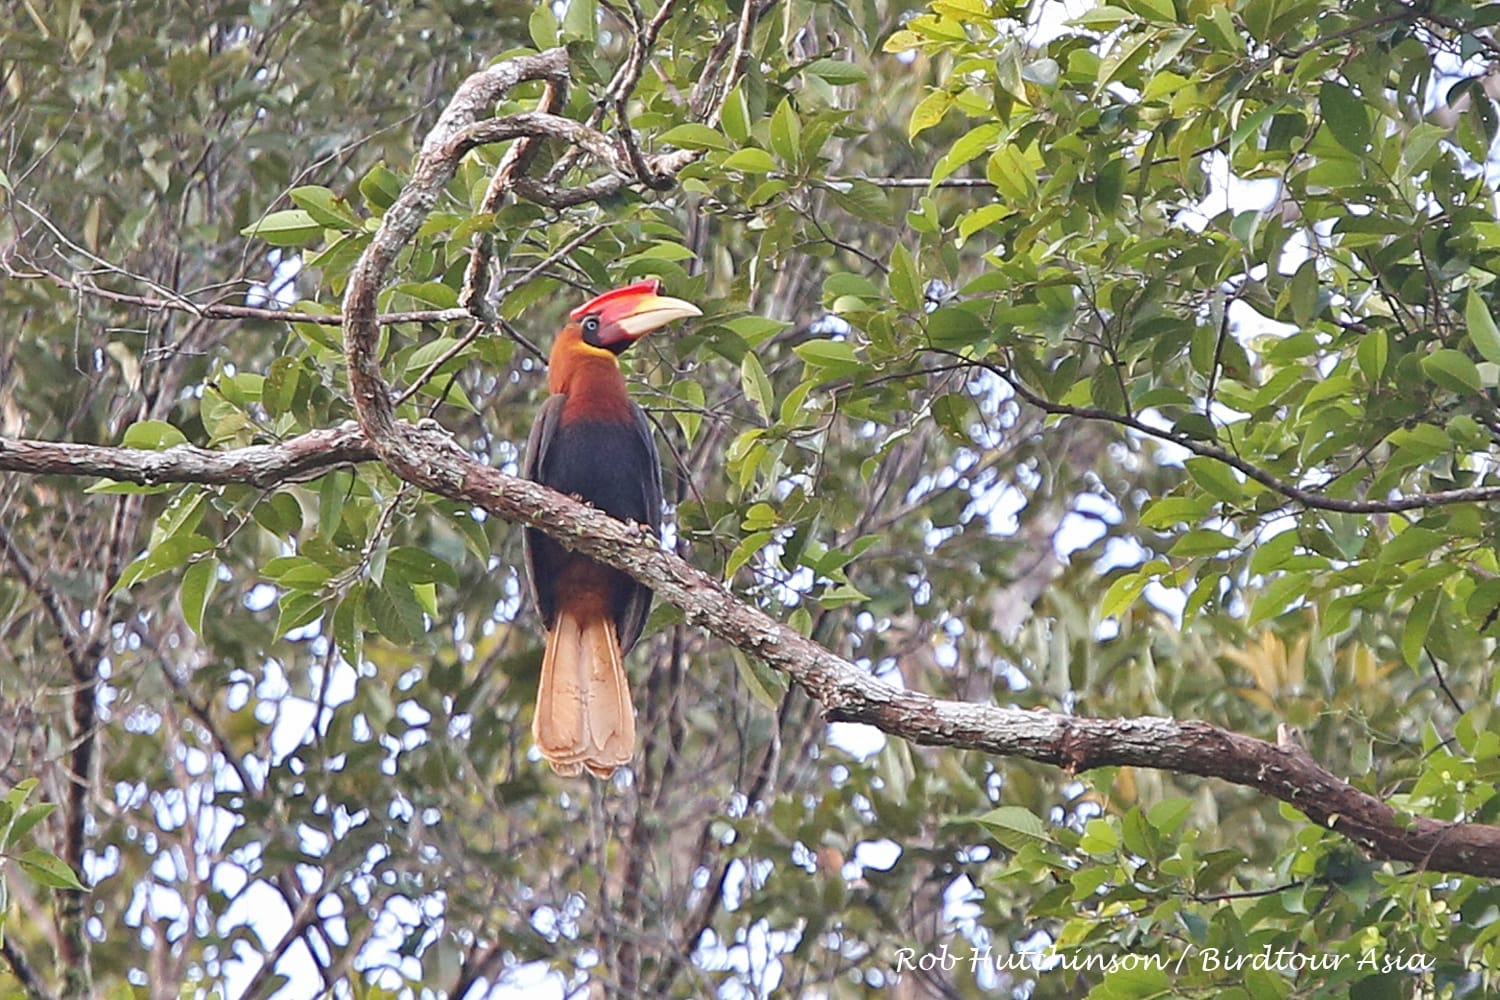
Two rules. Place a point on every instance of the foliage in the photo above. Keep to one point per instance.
(1243, 249)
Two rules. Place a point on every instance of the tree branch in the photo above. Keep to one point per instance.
(22, 969)
(1307, 497)
(294, 460)
(181, 303)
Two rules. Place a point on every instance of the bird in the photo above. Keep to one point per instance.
(592, 441)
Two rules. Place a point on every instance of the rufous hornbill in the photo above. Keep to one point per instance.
(591, 441)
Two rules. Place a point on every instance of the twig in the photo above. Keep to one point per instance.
(511, 331)
(1437, 672)
(218, 311)
(302, 920)
(1306, 497)
(516, 162)
(23, 970)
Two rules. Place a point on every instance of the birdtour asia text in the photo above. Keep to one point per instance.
(1202, 959)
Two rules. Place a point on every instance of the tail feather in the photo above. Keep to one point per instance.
(584, 717)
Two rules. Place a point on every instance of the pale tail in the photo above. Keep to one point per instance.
(584, 718)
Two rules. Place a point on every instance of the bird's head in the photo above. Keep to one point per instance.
(615, 320)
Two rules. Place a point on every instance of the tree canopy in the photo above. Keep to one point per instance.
(1085, 568)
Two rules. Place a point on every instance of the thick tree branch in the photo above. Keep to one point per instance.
(1283, 771)
(294, 460)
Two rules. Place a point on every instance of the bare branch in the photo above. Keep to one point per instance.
(179, 303)
(63, 619)
(303, 918)
(294, 460)
(23, 970)
(517, 161)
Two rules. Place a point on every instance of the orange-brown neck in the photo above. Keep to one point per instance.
(589, 376)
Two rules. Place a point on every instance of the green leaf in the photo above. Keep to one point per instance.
(694, 136)
(48, 870)
(1453, 370)
(27, 820)
(197, 584)
(291, 227)
(955, 326)
(1278, 595)
(745, 550)
(736, 117)
(1215, 478)
(757, 386)
(862, 199)
(325, 207)
(1374, 350)
(786, 132)
(980, 139)
(1346, 116)
(395, 612)
(843, 283)
(1124, 592)
(929, 112)
(1099, 838)
(414, 565)
(750, 160)
(973, 221)
(581, 21)
(1168, 511)
(690, 415)
(432, 293)
(1418, 622)
(835, 355)
(380, 187)
(1482, 329)
(905, 286)
(543, 26)
(1154, 10)
(836, 71)
(1202, 541)
(1304, 290)
(1014, 826)
(767, 686)
(297, 608)
(152, 435)
(1413, 543)
(1168, 814)
(170, 554)
(1109, 186)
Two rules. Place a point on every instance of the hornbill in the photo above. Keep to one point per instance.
(591, 441)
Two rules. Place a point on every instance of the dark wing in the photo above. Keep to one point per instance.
(632, 617)
(540, 572)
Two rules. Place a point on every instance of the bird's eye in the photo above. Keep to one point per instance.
(591, 324)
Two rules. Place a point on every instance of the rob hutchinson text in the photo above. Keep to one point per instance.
(1190, 958)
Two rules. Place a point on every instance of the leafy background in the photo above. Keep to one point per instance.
(986, 286)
